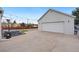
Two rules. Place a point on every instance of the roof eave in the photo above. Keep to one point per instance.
(55, 11)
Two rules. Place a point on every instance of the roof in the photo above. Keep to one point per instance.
(57, 12)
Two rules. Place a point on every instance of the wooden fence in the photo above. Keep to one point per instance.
(19, 27)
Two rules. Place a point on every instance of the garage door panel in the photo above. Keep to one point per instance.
(53, 27)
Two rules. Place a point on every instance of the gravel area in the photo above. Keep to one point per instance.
(37, 41)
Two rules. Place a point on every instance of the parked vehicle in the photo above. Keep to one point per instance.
(10, 34)
(76, 29)
(7, 35)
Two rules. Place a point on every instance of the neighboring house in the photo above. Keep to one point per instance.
(55, 21)
(1, 14)
(35, 26)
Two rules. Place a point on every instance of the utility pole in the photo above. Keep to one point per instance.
(8, 20)
(27, 21)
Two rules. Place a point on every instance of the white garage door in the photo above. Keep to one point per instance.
(53, 27)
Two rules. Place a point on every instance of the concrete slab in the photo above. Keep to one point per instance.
(36, 41)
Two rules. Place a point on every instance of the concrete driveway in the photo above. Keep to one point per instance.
(36, 41)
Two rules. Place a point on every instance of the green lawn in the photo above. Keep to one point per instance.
(23, 30)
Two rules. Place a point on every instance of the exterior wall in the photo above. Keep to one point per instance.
(69, 26)
(39, 27)
(0, 20)
(52, 16)
(0, 26)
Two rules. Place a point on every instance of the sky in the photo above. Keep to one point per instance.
(32, 14)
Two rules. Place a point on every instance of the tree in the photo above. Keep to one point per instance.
(30, 25)
(8, 21)
(76, 13)
(23, 24)
(3, 24)
(14, 22)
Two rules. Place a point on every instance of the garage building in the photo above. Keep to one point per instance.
(55, 21)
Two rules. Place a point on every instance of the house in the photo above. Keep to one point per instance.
(35, 26)
(56, 21)
(1, 13)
